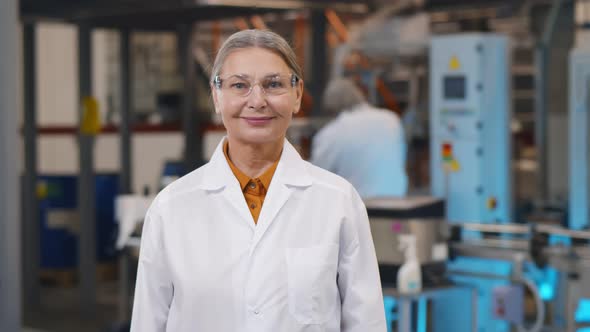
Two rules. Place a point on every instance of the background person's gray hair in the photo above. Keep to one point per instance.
(341, 94)
(265, 39)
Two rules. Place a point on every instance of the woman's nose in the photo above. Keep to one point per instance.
(257, 97)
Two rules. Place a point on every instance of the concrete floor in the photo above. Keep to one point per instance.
(60, 311)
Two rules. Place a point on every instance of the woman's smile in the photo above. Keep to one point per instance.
(258, 121)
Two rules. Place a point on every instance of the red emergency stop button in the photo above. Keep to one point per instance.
(447, 151)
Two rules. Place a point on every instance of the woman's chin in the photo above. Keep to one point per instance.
(260, 138)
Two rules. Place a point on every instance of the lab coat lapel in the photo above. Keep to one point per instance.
(234, 195)
(276, 197)
(291, 175)
(219, 179)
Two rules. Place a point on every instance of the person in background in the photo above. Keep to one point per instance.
(363, 144)
(257, 239)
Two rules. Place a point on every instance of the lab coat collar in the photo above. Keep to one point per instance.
(291, 171)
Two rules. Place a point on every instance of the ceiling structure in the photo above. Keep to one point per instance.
(151, 14)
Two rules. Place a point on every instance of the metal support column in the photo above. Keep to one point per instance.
(404, 317)
(31, 249)
(586, 183)
(190, 122)
(319, 62)
(579, 136)
(86, 182)
(371, 84)
(541, 93)
(125, 177)
(10, 249)
(125, 183)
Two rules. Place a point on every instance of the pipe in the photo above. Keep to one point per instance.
(10, 243)
(540, 318)
(86, 182)
(31, 227)
(541, 92)
(497, 228)
(125, 183)
(574, 234)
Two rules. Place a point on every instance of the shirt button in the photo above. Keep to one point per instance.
(256, 312)
(253, 205)
(252, 185)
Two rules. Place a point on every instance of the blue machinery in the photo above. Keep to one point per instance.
(579, 153)
(470, 126)
(579, 104)
(470, 156)
(470, 166)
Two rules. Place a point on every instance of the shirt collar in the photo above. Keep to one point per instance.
(291, 169)
(244, 179)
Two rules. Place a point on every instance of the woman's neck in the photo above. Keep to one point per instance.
(254, 159)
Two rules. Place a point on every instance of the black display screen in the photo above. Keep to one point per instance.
(454, 87)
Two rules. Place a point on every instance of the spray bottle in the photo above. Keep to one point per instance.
(409, 276)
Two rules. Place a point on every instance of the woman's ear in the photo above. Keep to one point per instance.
(215, 99)
(298, 96)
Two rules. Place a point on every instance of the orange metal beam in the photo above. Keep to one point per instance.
(332, 39)
(216, 36)
(241, 24)
(337, 24)
(306, 103)
(388, 97)
(299, 39)
(258, 22)
(299, 45)
(342, 32)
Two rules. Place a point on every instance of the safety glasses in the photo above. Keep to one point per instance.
(241, 85)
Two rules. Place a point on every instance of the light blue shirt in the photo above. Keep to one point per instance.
(366, 146)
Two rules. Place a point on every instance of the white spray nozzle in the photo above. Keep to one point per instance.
(407, 243)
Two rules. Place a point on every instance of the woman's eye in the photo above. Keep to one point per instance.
(275, 84)
(238, 85)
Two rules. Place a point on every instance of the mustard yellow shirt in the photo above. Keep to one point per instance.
(254, 189)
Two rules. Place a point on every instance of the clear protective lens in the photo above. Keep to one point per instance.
(271, 85)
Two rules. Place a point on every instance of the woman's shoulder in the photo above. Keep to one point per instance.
(184, 185)
(328, 181)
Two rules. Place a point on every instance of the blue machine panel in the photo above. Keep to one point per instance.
(59, 246)
(579, 156)
(463, 185)
(470, 158)
(59, 241)
(470, 110)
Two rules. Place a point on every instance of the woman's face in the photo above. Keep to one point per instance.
(262, 115)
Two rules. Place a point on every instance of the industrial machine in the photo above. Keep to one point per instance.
(579, 104)
(530, 245)
(470, 169)
(470, 157)
(579, 179)
(422, 217)
(523, 247)
(470, 126)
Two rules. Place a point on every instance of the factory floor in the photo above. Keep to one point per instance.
(60, 310)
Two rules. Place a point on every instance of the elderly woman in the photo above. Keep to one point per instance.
(257, 239)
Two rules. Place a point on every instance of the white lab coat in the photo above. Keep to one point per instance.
(365, 145)
(308, 265)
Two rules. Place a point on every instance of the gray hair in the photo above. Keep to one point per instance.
(341, 94)
(265, 39)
